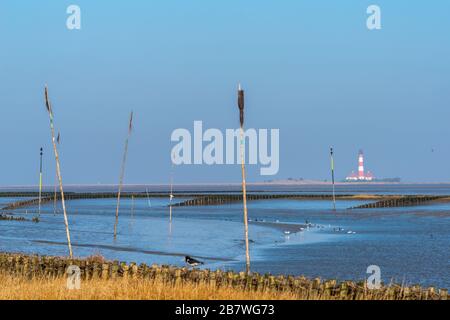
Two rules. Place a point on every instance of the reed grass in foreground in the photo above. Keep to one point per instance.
(49, 288)
(19, 287)
(43, 277)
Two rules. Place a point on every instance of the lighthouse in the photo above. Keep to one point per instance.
(361, 175)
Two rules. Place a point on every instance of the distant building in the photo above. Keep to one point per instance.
(361, 175)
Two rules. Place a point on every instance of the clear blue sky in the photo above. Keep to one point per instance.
(310, 68)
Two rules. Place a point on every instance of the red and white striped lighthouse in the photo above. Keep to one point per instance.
(361, 175)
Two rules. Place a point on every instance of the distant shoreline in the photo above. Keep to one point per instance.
(230, 184)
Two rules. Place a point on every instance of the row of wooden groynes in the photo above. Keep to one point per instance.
(403, 201)
(218, 199)
(52, 267)
(49, 197)
(197, 199)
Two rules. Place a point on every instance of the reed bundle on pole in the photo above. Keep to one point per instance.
(244, 187)
(58, 169)
(122, 172)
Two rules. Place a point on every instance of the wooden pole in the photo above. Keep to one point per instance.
(54, 197)
(148, 198)
(40, 182)
(132, 206)
(122, 172)
(244, 187)
(171, 191)
(56, 182)
(58, 170)
(332, 177)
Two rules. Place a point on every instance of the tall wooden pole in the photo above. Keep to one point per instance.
(122, 172)
(148, 198)
(40, 182)
(332, 177)
(171, 193)
(244, 187)
(54, 196)
(56, 182)
(132, 206)
(58, 170)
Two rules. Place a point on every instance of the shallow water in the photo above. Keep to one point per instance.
(409, 244)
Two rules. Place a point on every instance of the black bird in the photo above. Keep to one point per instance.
(192, 262)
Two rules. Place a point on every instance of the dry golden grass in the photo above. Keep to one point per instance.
(41, 288)
(20, 288)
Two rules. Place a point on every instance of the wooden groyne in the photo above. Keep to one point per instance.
(196, 198)
(53, 267)
(6, 217)
(218, 199)
(26, 203)
(214, 198)
(400, 201)
(82, 195)
(48, 197)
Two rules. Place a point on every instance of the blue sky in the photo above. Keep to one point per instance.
(310, 68)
